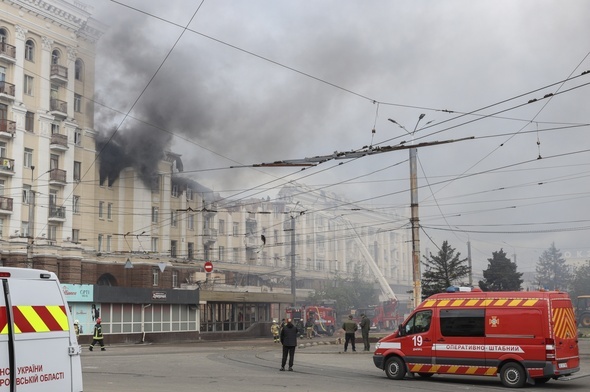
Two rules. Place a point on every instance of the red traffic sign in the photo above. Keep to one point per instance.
(208, 266)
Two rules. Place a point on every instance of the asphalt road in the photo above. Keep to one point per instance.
(253, 365)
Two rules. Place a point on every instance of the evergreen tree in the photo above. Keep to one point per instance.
(501, 274)
(580, 283)
(443, 270)
(551, 271)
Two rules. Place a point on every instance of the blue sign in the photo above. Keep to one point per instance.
(78, 292)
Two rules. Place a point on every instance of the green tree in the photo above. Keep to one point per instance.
(501, 274)
(580, 283)
(443, 270)
(347, 292)
(551, 271)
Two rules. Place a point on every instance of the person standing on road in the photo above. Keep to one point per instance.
(275, 330)
(365, 328)
(349, 328)
(289, 341)
(77, 329)
(309, 327)
(97, 336)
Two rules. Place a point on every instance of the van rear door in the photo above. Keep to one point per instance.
(564, 333)
(39, 351)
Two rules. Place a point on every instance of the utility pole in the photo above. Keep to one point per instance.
(31, 233)
(293, 281)
(414, 220)
(469, 260)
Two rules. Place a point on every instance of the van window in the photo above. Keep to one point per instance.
(462, 322)
(420, 322)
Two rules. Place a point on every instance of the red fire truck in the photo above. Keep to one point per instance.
(324, 317)
(382, 316)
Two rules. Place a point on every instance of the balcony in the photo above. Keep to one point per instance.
(58, 108)
(209, 236)
(5, 205)
(58, 142)
(253, 241)
(57, 214)
(58, 73)
(6, 91)
(57, 177)
(209, 209)
(7, 129)
(7, 53)
(6, 166)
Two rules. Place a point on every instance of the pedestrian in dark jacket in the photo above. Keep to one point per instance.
(365, 328)
(289, 341)
(349, 328)
(97, 336)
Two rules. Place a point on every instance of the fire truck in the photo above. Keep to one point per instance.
(583, 311)
(324, 317)
(382, 316)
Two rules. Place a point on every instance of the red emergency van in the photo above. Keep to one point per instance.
(527, 336)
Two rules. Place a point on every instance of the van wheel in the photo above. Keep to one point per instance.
(395, 368)
(330, 331)
(585, 320)
(512, 375)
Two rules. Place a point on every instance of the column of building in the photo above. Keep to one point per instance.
(19, 111)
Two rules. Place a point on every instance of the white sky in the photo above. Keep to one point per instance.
(259, 81)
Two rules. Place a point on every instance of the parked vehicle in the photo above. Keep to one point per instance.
(583, 311)
(521, 336)
(38, 347)
(382, 316)
(324, 317)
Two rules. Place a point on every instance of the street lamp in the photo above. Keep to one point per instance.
(414, 220)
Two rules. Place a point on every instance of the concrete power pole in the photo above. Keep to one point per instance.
(414, 220)
(469, 260)
(293, 281)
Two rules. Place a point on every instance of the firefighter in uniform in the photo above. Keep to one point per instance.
(275, 331)
(97, 336)
(309, 327)
(77, 329)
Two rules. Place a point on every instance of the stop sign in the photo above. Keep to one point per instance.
(208, 266)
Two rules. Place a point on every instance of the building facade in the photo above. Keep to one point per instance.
(58, 213)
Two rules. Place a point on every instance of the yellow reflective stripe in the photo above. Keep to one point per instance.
(530, 302)
(434, 368)
(457, 302)
(500, 302)
(471, 370)
(429, 303)
(33, 318)
(490, 371)
(444, 302)
(453, 369)
(416, 368)
(514, 302)
(59, 316)
(472, 302)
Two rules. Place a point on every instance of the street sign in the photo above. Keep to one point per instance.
(208, 266)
